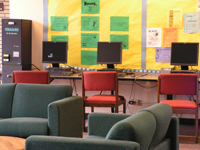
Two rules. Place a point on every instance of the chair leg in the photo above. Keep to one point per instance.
(83, 118)
(197, 127)
(124, 108)
(116, 109)
(92, 109)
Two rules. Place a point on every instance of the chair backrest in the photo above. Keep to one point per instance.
(6, 100)
(32, 100)
(178, 84)
(35, 77)
(139, 128)
(163, 115)
(100, 81)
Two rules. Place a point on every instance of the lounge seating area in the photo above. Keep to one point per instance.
(151, 128)
(39, 109)
(49, 117)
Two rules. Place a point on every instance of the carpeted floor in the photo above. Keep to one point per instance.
(188, 129)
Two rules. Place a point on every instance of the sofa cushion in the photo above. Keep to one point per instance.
(95, 137)
(32, 100)
(6, 92)
(23, 127)
(164, 145)
(139, 127)
(163, 115)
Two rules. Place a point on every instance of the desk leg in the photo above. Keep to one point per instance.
(169, 97)
(113, 110)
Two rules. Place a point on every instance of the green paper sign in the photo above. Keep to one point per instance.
(59, 23)
(120, 38)
(59, 38)
(119, 23)
(89, 23)
(89, 58)
(90, 7)
(89, 40)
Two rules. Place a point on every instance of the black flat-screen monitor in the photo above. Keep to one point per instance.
(54, 52)
(184, 54)
(109, 53)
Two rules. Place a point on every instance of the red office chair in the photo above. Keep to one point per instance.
(181, 84)
(101, 81)
(35, 77)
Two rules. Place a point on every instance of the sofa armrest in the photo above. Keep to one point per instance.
(99, 124)
(65, 117)
(67, 143)
(173, 133)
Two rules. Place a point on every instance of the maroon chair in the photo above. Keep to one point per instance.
(35, 77)
(101, 81)
(180, 84)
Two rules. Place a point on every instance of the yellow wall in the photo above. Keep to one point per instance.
(156, 18)
(157, 13)
(132, 8)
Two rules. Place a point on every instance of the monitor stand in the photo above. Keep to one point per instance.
(55, 65)
(111, 67)
(184, 67)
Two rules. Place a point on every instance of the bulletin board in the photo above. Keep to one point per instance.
(82, 23)
(85, 22)
(157, 17)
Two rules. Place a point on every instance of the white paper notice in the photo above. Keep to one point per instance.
(153, 37)
(15, 54)
(191, 22)
(175, 18)
(162, 54)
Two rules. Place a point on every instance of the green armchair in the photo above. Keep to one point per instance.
(153, 128)
(39, 109)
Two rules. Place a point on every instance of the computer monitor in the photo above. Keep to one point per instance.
(109, 53)
(184, 54)
(54, 52)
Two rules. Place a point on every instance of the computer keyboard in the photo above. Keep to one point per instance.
(61, 73)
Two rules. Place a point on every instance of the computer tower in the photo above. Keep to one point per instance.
(16, 47)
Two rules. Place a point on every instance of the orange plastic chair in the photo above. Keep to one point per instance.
(180, 84)
(101, 81)
(35, 77)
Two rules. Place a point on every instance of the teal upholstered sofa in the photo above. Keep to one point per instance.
(153, 128)
(39, 109)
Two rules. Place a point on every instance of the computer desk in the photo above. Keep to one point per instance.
(137, 77)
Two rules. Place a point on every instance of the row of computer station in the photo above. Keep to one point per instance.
(110, 53)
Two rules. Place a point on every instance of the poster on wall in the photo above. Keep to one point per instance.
(89, 23)
(153, 37)
(90, 7)
(88, 57)
(119, 23)
(191, 22)
(120, 38)
(169, 35)
(162, 54)
(175, 18)
(89, 40)
(198, 9)
(59, 23)
(59, 38)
